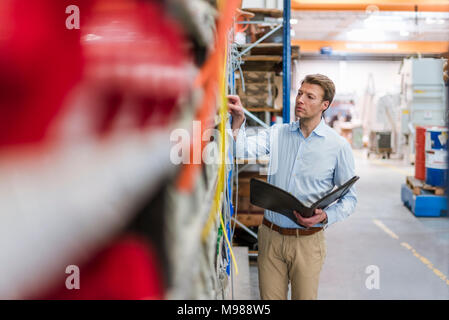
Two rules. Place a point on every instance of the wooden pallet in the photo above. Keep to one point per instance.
(276, 13)
(263, 109)
(418, 185)
(270, 49)
(438, 191)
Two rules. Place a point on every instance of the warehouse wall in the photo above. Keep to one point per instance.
(352, 76)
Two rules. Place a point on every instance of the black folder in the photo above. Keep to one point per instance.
(268, 196)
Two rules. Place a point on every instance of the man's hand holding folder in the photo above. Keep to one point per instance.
(271, 197)
(318, 217)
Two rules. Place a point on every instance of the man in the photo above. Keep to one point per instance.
(307, 158)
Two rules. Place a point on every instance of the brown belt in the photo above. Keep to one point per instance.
(291, 231)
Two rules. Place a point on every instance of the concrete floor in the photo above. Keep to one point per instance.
(411, 254)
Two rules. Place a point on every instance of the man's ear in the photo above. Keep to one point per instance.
(326, 104)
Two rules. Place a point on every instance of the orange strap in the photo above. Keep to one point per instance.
(208, 78)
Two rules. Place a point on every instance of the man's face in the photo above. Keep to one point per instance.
(309, 101)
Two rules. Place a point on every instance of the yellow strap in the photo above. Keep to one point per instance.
(221, 171)
(223, 111)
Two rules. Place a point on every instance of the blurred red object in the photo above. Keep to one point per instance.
(420, 154)
(128, 63)
(127, 269)
(127, 51)
(40, 60)
(134, 51)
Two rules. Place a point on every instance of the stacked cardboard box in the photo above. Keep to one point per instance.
(261, 89)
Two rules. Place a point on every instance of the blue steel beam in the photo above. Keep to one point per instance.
(286, 64)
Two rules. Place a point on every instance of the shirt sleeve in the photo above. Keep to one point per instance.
(252, 145)
(344, 171)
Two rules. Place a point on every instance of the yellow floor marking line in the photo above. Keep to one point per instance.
(384, 228)
(424, 260)
(406, 245)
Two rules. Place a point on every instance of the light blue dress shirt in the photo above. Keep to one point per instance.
(308, 168)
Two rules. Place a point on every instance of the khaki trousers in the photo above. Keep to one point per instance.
(297, 259)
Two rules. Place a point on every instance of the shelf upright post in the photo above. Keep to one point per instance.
(286, 63)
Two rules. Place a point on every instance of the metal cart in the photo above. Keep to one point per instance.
(380, 143)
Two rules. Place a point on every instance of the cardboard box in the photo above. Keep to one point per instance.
(261, 89)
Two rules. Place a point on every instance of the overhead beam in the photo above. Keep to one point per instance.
(352, 56)
(366, 5)
(407, 47)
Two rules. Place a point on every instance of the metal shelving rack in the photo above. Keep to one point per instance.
(236, 61)
(286, 64)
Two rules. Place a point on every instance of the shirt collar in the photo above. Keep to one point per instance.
(320, 129)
